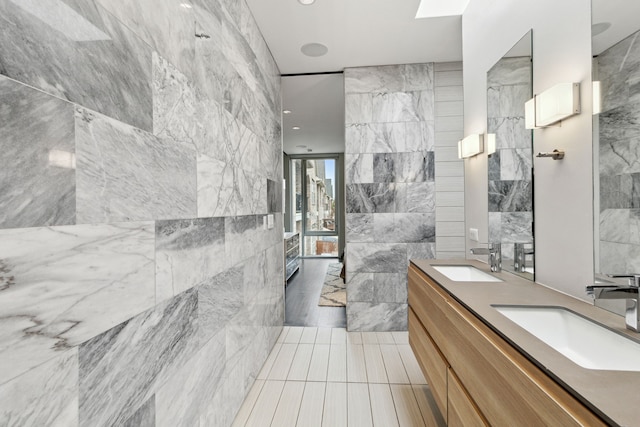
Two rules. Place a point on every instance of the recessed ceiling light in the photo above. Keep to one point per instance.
(306, 2)
(599, 28)
(314, 49)
(185, 5)
(286, 112)
(296, 128)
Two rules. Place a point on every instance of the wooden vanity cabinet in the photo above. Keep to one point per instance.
(488, 380)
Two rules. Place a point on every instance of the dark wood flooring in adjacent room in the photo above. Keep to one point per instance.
(302, 295)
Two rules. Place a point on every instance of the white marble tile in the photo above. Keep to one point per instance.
(358, 108)
(37, 151)
(188, 252)
(128, 362)
(186, 394)
(363, 316)
(128, 174)
(63, 285)
(46, 395)
(377, 258)
(359, 168)
(111, 70)
(403, 107)
(145, 416)
(166, 26)
(389, 78)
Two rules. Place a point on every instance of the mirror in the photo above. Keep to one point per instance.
(509, 86)
(616, 139)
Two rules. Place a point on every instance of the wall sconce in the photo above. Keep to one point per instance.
(554, 104)
(597, 98)
(470, 146)
(491, 143)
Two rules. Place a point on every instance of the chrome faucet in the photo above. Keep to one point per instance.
(494, 251)
(628, 293)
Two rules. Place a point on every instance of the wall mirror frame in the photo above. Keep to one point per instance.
(510, 167)
(615, 37)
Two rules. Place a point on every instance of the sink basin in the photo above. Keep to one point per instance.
(588, 344)
(465, 273)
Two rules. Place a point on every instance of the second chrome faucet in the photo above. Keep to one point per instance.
(494, 250)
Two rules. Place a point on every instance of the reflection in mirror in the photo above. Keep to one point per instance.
(509, 86)
(616, 136)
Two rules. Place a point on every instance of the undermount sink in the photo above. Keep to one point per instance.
(588, 344)
(465, 273)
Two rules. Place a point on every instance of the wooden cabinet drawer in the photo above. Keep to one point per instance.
(463, 412)
(433, 365)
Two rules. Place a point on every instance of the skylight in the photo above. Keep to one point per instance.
(439, 8)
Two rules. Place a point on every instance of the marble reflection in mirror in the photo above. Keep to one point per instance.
(509, 86)
(616, 134)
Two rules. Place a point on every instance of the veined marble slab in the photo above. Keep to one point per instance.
(168, 26)
(516, 164)
(183, 398)
(44, 396)
(507, 100)
(371, 198)
(37, 153)
(383, 317)
(420, 197)
(145, 416)
(125, 174)
(404, 227)
(510, 132)
(359, 227)
(123, 367)
(188, 252)
(219, 300)
(241, 239)
(60, 286)
(377, 258)
(510, 71)
(358, 108)
(616, 191)
(77, 51)
(403, 107)
(389, 78)
(510, 196)
(274, 196)
(359, 168)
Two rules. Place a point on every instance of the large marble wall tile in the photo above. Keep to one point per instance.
(614, 257)
(402, 107)
(495, 226)
(508, 101)
(241, 237)
(615, 67)
(616, 191)
(371, 198)
(359, 168)
(127, 363)
(510, 71)
(358, 108)
(254, 277)
(359, 227)
(128, 174)
(404, 227)
(494, 166)
(219, 299)
(37, 153)
(188, 252)
(516, 227)
(145, 416)
(390, 78)
(184, 396)
(420, 197)
(363, 316)
(420, 136)
(509, 132)
(377, 258)
(361, 288)
(510, 196)
(111, 71)
(60, 286)
(167, 26)
(179, 114)
(387, 137)
(516, 164)
(44, 396)
(274, 196)
(615, 225)
(421, 251)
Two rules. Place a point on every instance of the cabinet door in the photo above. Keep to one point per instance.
(463, 412)
(433, 364)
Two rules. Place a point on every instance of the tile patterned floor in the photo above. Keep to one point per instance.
(330, 377)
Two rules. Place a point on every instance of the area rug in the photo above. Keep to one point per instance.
(334, 292)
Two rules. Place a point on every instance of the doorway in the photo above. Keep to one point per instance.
(314, 193)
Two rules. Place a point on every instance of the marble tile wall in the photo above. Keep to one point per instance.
(138, 286)
(510, 181)
(391, 178)
(618, 70)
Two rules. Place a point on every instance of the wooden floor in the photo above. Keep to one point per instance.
(302, 295)
(331, 377)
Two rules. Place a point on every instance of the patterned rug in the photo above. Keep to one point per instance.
(334, 292)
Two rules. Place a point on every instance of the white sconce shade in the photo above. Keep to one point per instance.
(530, 114)
(491, 143)
(597, 98)
(557, 103)
(470, 146)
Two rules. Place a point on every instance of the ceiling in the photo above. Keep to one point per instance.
(622, 15)
(357, 33)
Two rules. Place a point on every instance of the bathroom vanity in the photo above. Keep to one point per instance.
(484, 369)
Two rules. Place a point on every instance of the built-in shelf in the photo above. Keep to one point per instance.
(291, 254)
